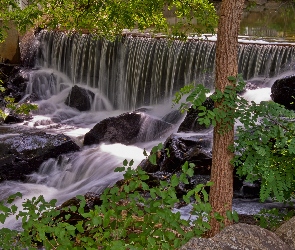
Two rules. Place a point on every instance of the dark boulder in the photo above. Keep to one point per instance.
(15, 118)
(173, 117)
(127, 129)
(250, 190)
(177, 150)
(193, 149)
(91, 200)
(80, 98)
(14, 81)
(190, 122)
(22, 154)
(283, 92)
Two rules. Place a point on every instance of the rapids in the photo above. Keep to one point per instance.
(124, 75)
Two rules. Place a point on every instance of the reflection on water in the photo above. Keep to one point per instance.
(272, 25)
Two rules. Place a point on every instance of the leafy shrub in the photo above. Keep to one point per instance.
(264, 146)
(131, 216)
(273, 218)
(10, 105)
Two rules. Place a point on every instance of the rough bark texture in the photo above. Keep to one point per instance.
(221, 193)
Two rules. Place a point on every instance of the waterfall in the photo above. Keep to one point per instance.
(264, 59)
(130, 72)
(137, 71)
(125, 74)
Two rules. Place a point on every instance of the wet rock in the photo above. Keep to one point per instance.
(283, 91)
(287, 232)
(250, 190)
(14, 118)
(80, 98)
(13, 80)
(190, 122)
(177, 150)
(22, 154)
(91, 200)
(194, 149)
(173, 117)
(127, 129)
(239, 236)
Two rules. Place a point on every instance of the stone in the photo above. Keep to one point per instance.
(260, 2)
(173, 117)
(272, 5)
(190, 122)
(80, 98)
(283, 91)
(127, 129)
(239, 236)
(196, 149)
(22, 154)
(13, 80)
(16, 118)
(257, 8)
(29, 48)
(287, 232)
(177, 150)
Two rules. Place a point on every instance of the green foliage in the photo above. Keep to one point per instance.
(197, 95)
(273, 218)
(24, 108)
(131, 216)
(264, 146)
(251, 5)
(109, 18)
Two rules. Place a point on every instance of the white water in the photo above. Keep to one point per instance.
(91, 169)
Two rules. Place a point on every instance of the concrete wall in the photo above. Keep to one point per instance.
(9, 50)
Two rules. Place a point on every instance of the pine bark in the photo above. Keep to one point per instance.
(221, 193)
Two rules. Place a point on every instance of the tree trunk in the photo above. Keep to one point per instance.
(221, 193)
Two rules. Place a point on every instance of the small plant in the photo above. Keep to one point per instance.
(131, 215)
(264, 146)
(11, 106)
(273, 218)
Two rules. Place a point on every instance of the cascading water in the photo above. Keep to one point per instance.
(123, 75)
(136, 71)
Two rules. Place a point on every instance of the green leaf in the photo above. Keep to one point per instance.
(174, 181)
(153, 159)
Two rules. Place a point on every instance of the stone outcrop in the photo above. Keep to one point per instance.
(177, 150)
(80, 98)
(194, 149)
(173, 117)
(13, 81)
(287, 232)
(190, 122)
(239, 236)
(127, 129)
(22, 154)
(283, 91)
